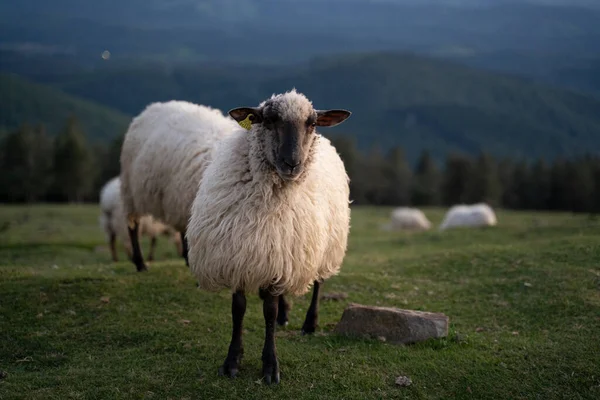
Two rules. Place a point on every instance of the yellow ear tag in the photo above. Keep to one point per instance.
(247, 123)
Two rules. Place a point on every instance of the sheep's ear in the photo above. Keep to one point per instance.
(246, 115)
(331, 117)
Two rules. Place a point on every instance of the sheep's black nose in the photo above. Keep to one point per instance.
(291, 163)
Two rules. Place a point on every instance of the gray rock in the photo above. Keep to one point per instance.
(394, 324)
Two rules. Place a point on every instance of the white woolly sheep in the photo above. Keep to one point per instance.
(474, 215)
(164, 154)
(405, 218)
(114, 222)
(272, 214)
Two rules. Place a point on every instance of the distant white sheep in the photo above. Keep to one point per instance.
(114, 222)
(474, 215)
(164, 154)
(406, 218)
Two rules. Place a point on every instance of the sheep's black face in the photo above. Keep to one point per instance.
(290, 142)
(288, 123)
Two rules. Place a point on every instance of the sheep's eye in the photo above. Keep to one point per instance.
(270, 120)
(312, 123)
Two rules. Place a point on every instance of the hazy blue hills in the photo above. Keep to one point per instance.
(396, 99)
(22, 101)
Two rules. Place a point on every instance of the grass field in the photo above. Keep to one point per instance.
(523, 300)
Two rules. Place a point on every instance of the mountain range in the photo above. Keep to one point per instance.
(396, 99)
(22, 101)
(518, 78)
(536, 38)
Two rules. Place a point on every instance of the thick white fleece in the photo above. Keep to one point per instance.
(469, 216)
(248, 230)
(405, 218)
(164, 154)
(114, 221)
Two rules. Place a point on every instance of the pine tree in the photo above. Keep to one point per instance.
(579, 185)
(426, 181)
(72, 164)
(455, 181)
(371, 177)
(15, 163)
(107, 162)
(41, 176)
(517, 197)
(506, 168)
(558, 177)
(111, 165)
(538, 187)
(25, 162)
(484, 183)
(352, 159)
(397, 176)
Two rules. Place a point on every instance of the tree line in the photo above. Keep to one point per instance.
(386, 178)
(37, 167)
(66, 168)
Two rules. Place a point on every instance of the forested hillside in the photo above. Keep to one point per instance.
(26, 102)
(397, 99)
(417, 74)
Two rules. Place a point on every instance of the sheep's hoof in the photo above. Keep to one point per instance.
(229, 371)
(230, 367)
(139, 263)
(282, 318)
(308, 329)
(141, 268)
(271, 372)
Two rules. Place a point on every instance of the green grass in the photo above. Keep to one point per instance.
(523, 300)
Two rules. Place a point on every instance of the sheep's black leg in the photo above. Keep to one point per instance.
(152, 248)
(137, 258)
(113, 247)
(184, 243)
(283, 308)
(236, 348)
(312, 315)
(282, 312)
(269, 355)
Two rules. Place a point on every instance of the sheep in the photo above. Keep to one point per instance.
(272, 214)
(405, 218)
(165, 151)
(113, 222)
(469, 215)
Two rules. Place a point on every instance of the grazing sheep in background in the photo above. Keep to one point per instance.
(272, 214)
(405, 218)
(469, 215)
(164, 154)
(114, 222)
